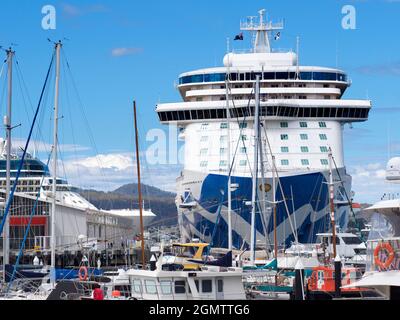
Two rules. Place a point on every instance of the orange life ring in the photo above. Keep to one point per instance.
(83, 273)
(388, 248)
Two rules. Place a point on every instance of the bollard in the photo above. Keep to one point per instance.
(338, 276)
(299, 280)
(153, 261)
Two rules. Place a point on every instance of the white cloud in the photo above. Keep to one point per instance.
(125, 51)
(107, 172)
(369, 182)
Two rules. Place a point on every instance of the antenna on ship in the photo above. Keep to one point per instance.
(262, 30)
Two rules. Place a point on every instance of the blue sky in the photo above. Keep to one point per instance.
(124, 50)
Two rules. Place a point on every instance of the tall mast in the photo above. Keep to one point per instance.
(139, 186)
(332, 205)
(255, 170)
(230, 165)
(7, 123)
(54, 190)
(274, 207)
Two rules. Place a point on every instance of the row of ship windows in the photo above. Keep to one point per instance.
(283, 124)
(243, 150)
(249, 76)
(284, 162)
(304, 136)
(284, 136)
(265, 111)
(23, 182)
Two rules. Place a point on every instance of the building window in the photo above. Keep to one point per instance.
(204, 139)
(203, 164)
(284, 124)
(224, 125)
(284, 137)
(284, 149)
(304, 149)
(305, 162)
(243, 163)
(284, 162)
(323, 149)
(242, 125)
(324, 162)
(322, 136)
(243, 150)
(303, 124)
(322, 124)
(223, 163)
(203, 152)
(304, 136)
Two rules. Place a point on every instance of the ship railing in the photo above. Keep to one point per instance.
(383, 255)
(273, 50)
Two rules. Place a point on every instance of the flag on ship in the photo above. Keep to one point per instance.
(239, 36)
(277, 36)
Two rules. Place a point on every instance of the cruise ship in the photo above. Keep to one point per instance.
(302, 115)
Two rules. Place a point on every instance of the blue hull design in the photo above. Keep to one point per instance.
(308, 211)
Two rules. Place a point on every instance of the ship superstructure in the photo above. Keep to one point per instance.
(302, 117)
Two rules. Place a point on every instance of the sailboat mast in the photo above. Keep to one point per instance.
(255, 171)
(230, 165)
(274, 207)
(331, 202)
(7, 123)
(139, 186)
(54, 189)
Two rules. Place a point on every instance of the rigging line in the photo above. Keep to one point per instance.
(88, 128)
(23, 87)
(350, 203)
(10, 198)
(28, 227)
(280, 186)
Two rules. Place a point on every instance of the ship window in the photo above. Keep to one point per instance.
(243, 137)
(150, 286)
(322, 136)
(224, 125)
(284, 149)
(206, 286)
(351, 240)
(243, 163)
(324, 162)
(322, 124)
(243, 125)
(203, 164)
(305, 162)
(166, 287)
(223, 163)
(304, 149)
(284, 162)
(180, 287)
(323, 149)
(303, 136)
(303, 124)
(243, 150)
(284, 124)
(284, 137)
